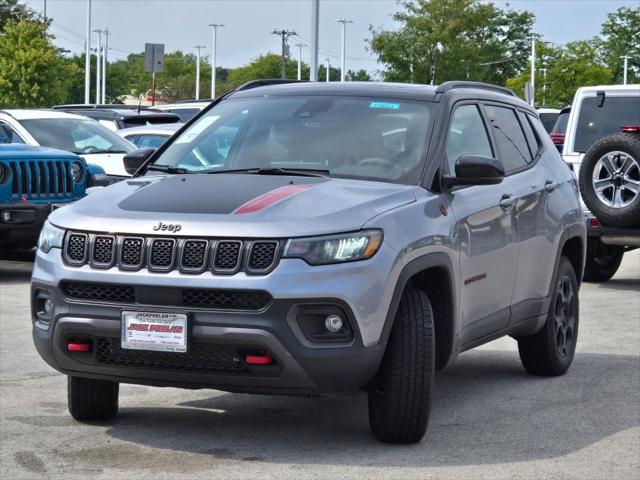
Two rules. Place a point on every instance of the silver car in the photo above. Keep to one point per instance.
(315, 238)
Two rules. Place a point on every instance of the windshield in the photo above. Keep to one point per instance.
(597, 121)
(354, 137)
(561, 123)
(548, 120)
(81, 136)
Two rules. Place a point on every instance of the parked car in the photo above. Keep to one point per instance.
(33, 182)
(116, 117)
(64, 131)
(317, 254)
(186, 109)
(548, 117)
(603, 144)
(559, 128)
(150, 136)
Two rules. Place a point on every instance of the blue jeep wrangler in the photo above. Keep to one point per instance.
(33, 182)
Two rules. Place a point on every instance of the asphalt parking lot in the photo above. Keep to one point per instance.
(489, 419)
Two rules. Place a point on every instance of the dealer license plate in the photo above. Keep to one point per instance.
(164, 332)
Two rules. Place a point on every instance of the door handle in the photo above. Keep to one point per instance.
(507, 201)
(550, 185)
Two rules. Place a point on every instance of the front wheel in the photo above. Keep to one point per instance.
(602, 261)
(92, 399)
(550, 351)
(400, 397)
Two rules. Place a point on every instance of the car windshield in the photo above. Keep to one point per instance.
(147, 140)
(81, 136)
(561, 122)
(353, 137)
(548, 120)
(185, 114)
(598, 119)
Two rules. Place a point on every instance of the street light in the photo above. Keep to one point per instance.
(87, 57)
(344, 22)
(215, 27)
(300, 45)
(98, 65)
(327, 66)
(626, 66)
(198, 48)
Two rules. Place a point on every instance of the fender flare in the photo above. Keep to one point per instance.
(574, 231)
(430, 260)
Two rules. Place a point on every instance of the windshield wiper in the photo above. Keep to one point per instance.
(300, 172)
(168, 169)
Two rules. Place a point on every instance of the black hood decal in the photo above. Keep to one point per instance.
(207, 194)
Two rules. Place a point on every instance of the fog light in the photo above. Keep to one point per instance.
(6, 217)
(48, 307)
(333, 323)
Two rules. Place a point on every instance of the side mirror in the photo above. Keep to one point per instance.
(96, 177)
(475, 170)
(134, 160)
(6, 134)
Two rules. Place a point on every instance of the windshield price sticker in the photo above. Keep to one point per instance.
(165, 332)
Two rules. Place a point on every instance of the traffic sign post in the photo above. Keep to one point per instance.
(153, 62)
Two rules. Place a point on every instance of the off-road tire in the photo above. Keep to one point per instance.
(540, 353)
(400, 397)
(92, 399)
(602, 261)
(629, 215)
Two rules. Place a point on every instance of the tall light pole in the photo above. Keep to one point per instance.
(533, 71)
(214, 26)
(344, 22)
(328, 67)
(626, 66)
(87, 57)
(544, 86)
(198, 48)
(104, 65)
(98, 66)
(300, 45)
(315, 22)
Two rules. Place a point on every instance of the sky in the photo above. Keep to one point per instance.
(181, 24)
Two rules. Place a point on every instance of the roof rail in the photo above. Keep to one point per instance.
(107, 106)
(265, 82)
(446, 86)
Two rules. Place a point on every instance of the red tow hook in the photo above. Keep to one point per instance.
(255, 359)
(79, 347)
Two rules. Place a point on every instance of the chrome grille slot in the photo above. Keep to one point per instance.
(162, 254)
(227, 256)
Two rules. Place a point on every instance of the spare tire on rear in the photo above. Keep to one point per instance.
(610, 180)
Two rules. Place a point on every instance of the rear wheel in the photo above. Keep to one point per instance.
(400, 398)
(92, 399)
(602, 261)
(550, 351)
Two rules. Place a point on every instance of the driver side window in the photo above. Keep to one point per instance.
(467, 136)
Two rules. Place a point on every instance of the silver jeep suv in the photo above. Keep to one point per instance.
(312, 238)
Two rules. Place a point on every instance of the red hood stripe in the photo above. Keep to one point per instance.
(269, 198)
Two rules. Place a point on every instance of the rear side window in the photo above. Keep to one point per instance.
(467, 136)
(510, 139)
(595, 121)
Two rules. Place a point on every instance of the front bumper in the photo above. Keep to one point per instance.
(302, 367)
(20, 224)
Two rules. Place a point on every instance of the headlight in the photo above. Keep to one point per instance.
(347, 247)
(50, 237)
(76, 171)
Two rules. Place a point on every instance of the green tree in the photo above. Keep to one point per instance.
(621, 36)
(433, 44)
(13, 10)
(360, 76)
(263, 67)
(33, 73)
(577, 64)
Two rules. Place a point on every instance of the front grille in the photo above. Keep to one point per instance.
(76, 248)
(99, 292)
(262, 255)
(164, 254)
(200, 357)
(226, 299)
(103, 250)
(131, 252)
(41, 179)
(215, 299)
(194, 255)
(227, 256)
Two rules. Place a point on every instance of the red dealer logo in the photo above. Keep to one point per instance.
(139, 327)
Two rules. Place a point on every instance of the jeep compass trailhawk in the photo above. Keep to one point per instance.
(312, 238)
